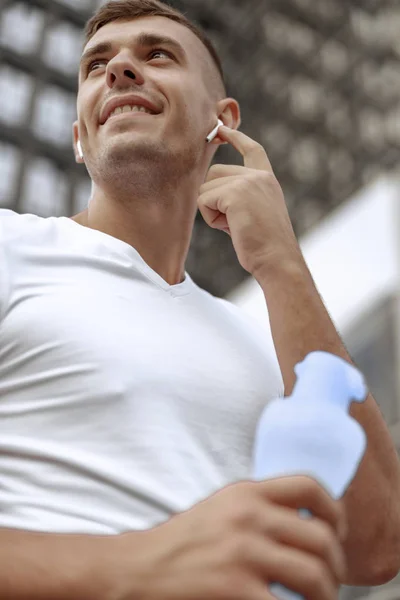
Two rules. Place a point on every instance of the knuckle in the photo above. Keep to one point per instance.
(244, 505)
(256, 178)
(255, 147)
(310, 485)
(265, 177)
(310, 489)
(213, 168)
(243, 516)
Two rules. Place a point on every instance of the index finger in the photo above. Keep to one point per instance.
(253, 153)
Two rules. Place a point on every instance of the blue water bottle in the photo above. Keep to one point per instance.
(311, 432)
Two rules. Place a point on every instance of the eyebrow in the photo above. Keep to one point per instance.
(145, 40)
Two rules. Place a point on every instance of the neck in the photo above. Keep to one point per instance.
(156, 219)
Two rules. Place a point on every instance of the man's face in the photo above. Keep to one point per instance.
(162, 63)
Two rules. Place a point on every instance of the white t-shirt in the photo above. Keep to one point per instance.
(123, 399)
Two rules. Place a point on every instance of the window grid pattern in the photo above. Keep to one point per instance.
(319, 87)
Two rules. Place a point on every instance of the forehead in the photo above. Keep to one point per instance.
(124, 34)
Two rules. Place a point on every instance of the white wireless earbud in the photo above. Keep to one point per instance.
(78, 145)
(214, 132)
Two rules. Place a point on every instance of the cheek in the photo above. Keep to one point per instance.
(181, 95)
(191, 112)
(81, 115)
(82, 125)
(87, 106)
(187, 109)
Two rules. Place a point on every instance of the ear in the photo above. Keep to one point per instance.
(229, 113)
(228, 110)
(75, 132)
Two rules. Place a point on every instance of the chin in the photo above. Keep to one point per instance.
(125, 162)
(137, 150)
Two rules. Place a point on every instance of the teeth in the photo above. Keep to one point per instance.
(128, 108)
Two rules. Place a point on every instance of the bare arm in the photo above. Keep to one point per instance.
(301, 324)
(41, 566)
(248, 203)
(227, 546)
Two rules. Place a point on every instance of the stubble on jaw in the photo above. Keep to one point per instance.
(144, 170)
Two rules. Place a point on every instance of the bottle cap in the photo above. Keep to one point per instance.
(330, 379)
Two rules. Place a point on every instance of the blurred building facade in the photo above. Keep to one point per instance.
(319, 87)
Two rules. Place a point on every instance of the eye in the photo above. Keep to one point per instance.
(91, 65)
(159, 54)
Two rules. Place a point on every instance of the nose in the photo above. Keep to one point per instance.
(122, 70)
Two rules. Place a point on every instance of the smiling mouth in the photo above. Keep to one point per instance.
(131, 111)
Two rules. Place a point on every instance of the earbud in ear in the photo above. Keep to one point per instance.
(78, 145)
(214, 132)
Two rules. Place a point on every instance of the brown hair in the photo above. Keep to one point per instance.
(133, 9)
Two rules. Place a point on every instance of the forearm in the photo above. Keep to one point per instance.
(39, 566)
(301, 324)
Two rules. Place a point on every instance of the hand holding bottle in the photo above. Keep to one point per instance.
(312, 433)
(233, 544)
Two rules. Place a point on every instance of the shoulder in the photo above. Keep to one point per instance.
(13, 229)
(13, 224)
(9, 216)
(29, 228)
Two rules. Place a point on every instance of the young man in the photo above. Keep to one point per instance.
(130, 397)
